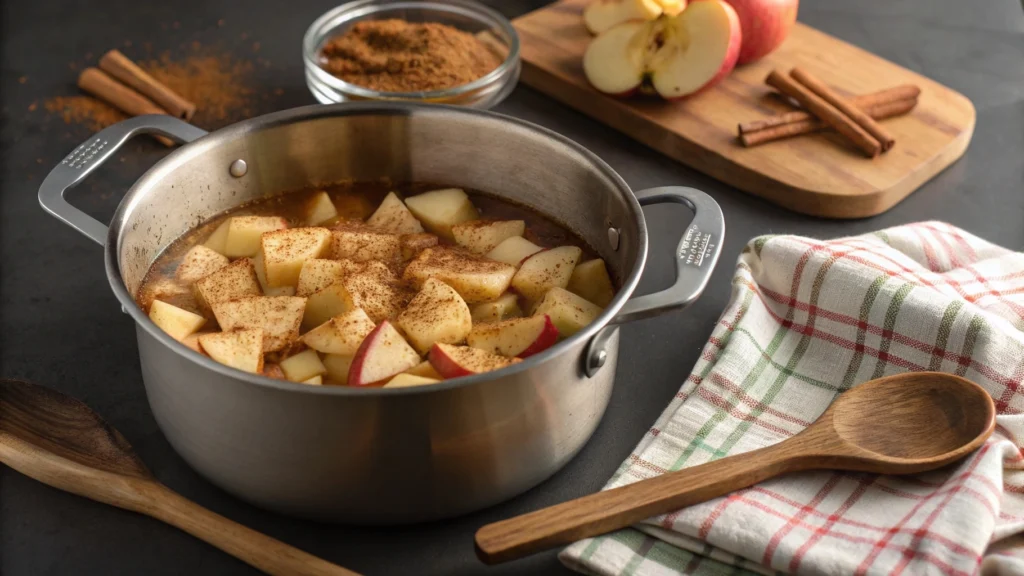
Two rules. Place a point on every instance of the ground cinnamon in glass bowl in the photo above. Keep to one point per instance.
(438, 51)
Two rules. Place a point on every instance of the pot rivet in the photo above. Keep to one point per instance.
(238, 168)
(599, 359)
(613, 238)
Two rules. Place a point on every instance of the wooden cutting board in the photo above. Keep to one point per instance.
(819, 174)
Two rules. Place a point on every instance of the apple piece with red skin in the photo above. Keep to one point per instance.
(677, 56)
(765, 25)
(519, 337)
(456, 361)
(383, 354)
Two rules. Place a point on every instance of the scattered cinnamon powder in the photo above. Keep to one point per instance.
(399, 56)
(86, 110)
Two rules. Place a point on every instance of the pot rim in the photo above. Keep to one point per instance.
(305, 113)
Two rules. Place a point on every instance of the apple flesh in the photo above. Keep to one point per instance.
(405, 379)
(765, 25)
(456, 361)
(513, 250)
(545, 270)
(677, 56)
(482, 236)
(241, 349)
(320, 209)
(518, 337)
(591, 281)
(383, 354)
(340, 335)
(600, 15)
(439, 210)
(178, 323)
(303, 366)
(392, 216)
(436, 314)
(504, 307)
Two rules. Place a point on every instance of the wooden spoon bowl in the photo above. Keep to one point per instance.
(899, 424)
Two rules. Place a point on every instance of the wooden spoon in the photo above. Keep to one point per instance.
(61, 442)
(895, 425)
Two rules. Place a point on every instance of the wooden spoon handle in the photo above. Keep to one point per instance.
(617, 508)
(258, 550)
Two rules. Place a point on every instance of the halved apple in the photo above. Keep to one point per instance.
(676, 55)
(302, 366)
(520, 337)
(568, 312)
(455, 361)
(244, 233)
(178, 323)
(545, 270)
(340, 335)
(504, 307)
(383, 354)
(198, 263)
(320, 209)
(285, 251)
(436, 314)
(439, 210)
(591, 281)
(600, 15)
(475, 279)
(241, 349)
(405, 379)
(513, 250)
(277, 316)
(392, 216)
(481, 236)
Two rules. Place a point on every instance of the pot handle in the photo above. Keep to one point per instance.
(94, 152)
(696, 256)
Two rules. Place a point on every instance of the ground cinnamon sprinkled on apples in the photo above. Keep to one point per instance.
(399, 56)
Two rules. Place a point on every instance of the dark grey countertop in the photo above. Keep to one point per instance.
(60, 324)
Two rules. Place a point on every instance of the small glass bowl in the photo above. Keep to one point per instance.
(467, 15)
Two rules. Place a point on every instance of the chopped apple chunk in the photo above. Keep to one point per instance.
(456, 361)
(192, 341)
(285, 251)
(436, 314)
(377, 291)
(474, 278)
(513, 250)
(413, 244)
(273, 370)
(320, 209)
(278, 317)
(340, 335)
(439, 210)
(218, 241)
(170, 291)
(241, 349)
(392, 216)
(178, 323)
(235, 280)
(482, 236)
(315, 380)
(590, 280)
(199, 262)
(504, 307)
(303, 366)
(522, 337)
(424, 369)
(545, 270)
(363, 244)
(567, 311)
(405, 379)
(383, 354)
(317, 274)
(325, 304)
(337, 368)
(244, 233)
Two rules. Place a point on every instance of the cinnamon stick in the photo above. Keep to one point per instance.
(809, 124)
(97, 83)
(864, 101)
(826, 112)
(122, 68)
(845, 106)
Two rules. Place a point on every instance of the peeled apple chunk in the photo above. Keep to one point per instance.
(677, 55)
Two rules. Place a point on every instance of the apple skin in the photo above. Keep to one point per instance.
(445, 365)
(765, 25)
(546, 339)
(731, 55)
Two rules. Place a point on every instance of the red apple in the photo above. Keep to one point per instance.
(765, 24)
(677, 55)
(520, 337)
(456, 361)
(383, 354)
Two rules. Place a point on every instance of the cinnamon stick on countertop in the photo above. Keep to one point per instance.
(806, 124)
(864, 102)
(845, 106)
(97, 83)
(826, 112)
(122, 68)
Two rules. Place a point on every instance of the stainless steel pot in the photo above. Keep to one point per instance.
(381, 456)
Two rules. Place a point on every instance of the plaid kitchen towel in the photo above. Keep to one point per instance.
(807, 320)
